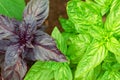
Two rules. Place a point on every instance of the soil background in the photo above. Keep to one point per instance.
(57, 9)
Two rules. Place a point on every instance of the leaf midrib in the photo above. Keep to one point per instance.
(4, 8)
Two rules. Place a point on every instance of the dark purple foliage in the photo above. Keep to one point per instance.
(20, 41)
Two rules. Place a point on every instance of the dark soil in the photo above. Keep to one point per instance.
(57, 9)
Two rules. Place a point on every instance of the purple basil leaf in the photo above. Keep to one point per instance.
(7, 26)
(16, 25)
(35, 13)
(12, 53)
(46, 53)
(29, 54)
(14, 67)
(15, 72)
(42, 27)
(45, 48)
(3, 45)
(2, 57)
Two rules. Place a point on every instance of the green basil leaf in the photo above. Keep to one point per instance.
(112, 23)
(104, 5)
(116, 67)
(90, 75)
(84, 15)
(107, 66)
(100, 75)
(117, 58)
(67, 25)
(113, 45)
(66, 36)
(49, 71)
(61, 44)
(40, 71)
(110, 75)
(110, 63)
(97, 72)
(77, 45)
(93, 74)
(94, 55)
(104, 76)
(63, 73)
(110, 57)
(12, 8)
(111, 68)
(80, 38)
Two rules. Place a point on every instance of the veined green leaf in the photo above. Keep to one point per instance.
(63, 73)
(107, 66)
(94, 55)
(110, 75)
(66, 36)
(110, 57)
(49, 71)
(77, 47)
(112, 23)
(104, 76)
(90, 75)
(86, 17)
(104, 5)
(111, 68)
(12, 8)
(80, 38)
(97, 72)
(67, 25)
(61, 44)
(94, 73)
(117, 58)
(110, 63)
(116, 67)
(40, 71)
(113, 45)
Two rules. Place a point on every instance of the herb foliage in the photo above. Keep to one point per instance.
(21, 41)
(90, 41)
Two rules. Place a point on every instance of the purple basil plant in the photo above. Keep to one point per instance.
(21, 41)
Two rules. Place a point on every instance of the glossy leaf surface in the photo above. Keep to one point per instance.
(14, 68)
(112, 23)
(36, 12)
(49, 71)
(94, 55)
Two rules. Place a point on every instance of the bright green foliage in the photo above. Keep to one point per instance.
(68, 26)
(52, 70)
(94, 55)
(104, 5)
(90, 43)
(113, 45)
(93, 45)
(86, 17)
(61, 44)
(12, 8)
(112, 23)
(110, 69)
(49, 71)
(78, 44)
